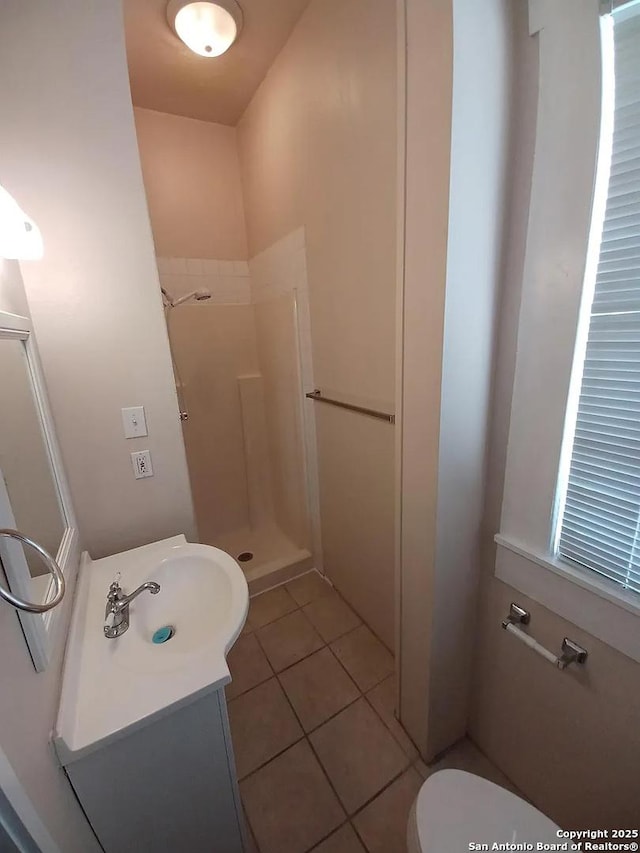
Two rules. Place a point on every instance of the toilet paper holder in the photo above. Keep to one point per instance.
(570, 651)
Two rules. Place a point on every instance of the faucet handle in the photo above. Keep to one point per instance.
(115, 590)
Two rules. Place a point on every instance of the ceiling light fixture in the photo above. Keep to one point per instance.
(207, 28)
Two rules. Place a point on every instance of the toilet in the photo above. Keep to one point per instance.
(455, 809)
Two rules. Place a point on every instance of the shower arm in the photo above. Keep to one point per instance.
(198, 295)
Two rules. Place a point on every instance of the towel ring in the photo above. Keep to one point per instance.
(52, 566)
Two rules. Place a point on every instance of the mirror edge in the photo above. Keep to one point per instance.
(42, 631)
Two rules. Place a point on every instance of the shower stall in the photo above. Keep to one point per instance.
(240, 342)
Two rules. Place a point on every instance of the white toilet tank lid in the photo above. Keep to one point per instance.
(455, 809)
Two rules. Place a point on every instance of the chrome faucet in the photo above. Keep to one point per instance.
(116, 614)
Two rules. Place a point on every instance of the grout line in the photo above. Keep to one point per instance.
(326, 776)
(388, 784)
(308, 654)
(322, 840)
(249, 689)
(363, 621)
(306, 735)
(276, 618)
(273, 757)
(319, 760)
(338, 636)
(249, 827)
(253, 686)
(372, 686)
(388, 727)
(358, 836)
(332, 717)
(317, 757)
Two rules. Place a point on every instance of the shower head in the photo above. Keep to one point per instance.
(201, 295)
(197, 295)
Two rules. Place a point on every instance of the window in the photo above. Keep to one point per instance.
(599, 513)
(570, 542)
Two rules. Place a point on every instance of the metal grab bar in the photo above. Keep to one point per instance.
(372, 413)
(50, 563)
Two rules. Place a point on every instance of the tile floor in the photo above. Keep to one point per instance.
(322, 761)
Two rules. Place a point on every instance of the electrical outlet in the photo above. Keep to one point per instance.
(141, 462)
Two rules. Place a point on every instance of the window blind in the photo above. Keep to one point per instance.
(600, 522)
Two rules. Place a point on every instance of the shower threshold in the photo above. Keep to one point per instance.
(275, 559)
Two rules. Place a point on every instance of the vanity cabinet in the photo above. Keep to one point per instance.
(168, 787)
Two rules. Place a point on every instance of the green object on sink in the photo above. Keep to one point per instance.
(163, 634)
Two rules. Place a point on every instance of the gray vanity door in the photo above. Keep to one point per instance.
(168, 787)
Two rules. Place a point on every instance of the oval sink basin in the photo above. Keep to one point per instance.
(112, 686)
(195, 599)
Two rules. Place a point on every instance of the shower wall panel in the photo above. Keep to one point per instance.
(256, 450)
(276, 335)
(279, 294)
(213, 346)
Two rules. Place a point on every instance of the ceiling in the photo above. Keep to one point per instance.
(166, 76)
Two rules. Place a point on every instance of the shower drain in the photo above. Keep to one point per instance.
(245, 556)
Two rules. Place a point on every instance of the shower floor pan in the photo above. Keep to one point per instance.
(276, 558)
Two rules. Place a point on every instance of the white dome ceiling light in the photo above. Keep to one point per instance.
(207, 28)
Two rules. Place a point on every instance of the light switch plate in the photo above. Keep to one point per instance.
(134, 422)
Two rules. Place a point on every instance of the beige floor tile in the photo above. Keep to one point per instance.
(269, 606)
(289, 802)
(262, 725)
(364, 657)
(308, 587)
(289, 640)
(383, 699)
(251, 842)
(318, 687)
(382, 824)
(344, 840)
(252, 847)
(422, 768)
(248, 664)
(466, 756)
(359, 754)
(332, 616)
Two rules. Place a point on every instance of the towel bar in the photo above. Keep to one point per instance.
(373, 413)
(570, 652)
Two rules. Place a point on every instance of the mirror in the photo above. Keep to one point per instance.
(33, 497)
(25, 462)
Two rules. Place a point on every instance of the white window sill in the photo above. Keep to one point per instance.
(596, 606)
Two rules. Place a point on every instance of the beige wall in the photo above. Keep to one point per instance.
(318, 148)
(214, 345)
(68, 152)
(29, 700)
(428, 106)
(192, 179)
(12, 296)
(479, 146)
(570, 741)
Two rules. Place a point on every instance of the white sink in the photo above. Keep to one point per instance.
(113, 686)
(195, 599)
